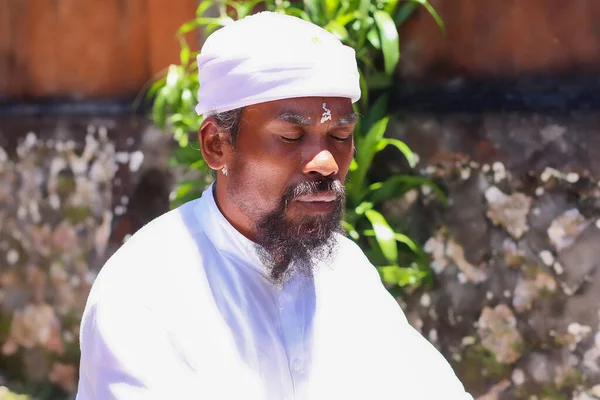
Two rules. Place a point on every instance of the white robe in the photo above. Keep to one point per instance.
(184, 310)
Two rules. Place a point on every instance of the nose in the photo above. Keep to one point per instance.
(322, 163)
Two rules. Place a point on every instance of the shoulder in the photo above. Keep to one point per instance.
(151, 261)
(352, 262)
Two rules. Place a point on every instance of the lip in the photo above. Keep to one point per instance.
(317, 203)
(317, 198)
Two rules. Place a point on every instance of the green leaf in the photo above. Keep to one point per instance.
(404, 12)
(184, 53)
(363, 207)
(384, 235)
(401, 276)
(390, 6)
(378, 81)
(353, 165)
(345, 19)
(400, 145)
(373, 38)
(203, 6)
(314, 10)
(378, 111)
(186, 155)
(390, 42)
(408, 242)
(184, 140)
(338, 30)
(363, 8)
(368, 145)
(184, 189)
(296, 12)
(156, 86)
(364, 91)
(331, 7)
(433, 13)
(351, 230)
(366, 148)
(399, 185)
(199, 21)
(246, 8)
(159, 111)
(187, 99)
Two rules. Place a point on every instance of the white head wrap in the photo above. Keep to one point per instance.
(270, 56)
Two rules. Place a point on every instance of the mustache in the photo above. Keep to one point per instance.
(323, 185)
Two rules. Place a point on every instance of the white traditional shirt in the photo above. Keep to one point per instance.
(185, 310)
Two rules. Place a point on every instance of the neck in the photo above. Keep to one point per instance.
(236, 217)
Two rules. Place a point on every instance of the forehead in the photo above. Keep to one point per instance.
(310, 107)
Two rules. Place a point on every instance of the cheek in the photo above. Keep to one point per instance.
(344, 158)
(261, 180)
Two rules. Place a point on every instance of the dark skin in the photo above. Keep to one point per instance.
(280, 143)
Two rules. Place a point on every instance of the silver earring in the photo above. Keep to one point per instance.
(224, 171)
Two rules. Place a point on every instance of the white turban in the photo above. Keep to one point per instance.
(270, 56)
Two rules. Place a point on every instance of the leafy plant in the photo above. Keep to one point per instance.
(371, 28)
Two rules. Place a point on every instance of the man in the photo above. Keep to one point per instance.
(251, 291)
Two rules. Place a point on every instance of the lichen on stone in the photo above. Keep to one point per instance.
(55, 206)
(497, 329)
(530, 288)
(509, 211)
(564, 230)
(457, 254)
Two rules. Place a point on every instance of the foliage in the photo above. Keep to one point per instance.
(371, 28)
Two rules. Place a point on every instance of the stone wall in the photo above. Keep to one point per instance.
(516, 249)
(71, 191)
(516, 301)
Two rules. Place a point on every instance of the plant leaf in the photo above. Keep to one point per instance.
(184, 53)
(199, 21)
(379, 80)
(366, 148)
(398, 185)
(390, 44)
(338, 30)
(159, 111)
(363, 207)
(203, 6)
(296, 12)
(433, 13)
(402, 238)
(390, 6)
(384, 235)
(377, 111)
(404, 12)
(314, 10)
(345, 19)
(401, 276)
(400, 145)
(364, 91)
(351, 230)
(373, 38)
(363, 9)
(369, 144)
(331, 7)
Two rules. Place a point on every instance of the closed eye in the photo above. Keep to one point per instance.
(341, 138)
(291, 139)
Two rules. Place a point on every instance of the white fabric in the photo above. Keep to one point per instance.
(184, 310)
(270, 56)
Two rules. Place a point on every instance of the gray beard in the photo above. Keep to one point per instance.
(290, 250)
(286, 248)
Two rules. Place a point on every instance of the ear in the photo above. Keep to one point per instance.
(214, 144)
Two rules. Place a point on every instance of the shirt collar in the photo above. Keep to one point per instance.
(228, 240)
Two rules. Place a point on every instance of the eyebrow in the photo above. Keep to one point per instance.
(297, 118)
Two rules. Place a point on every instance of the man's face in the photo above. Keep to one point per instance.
(286, 175)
